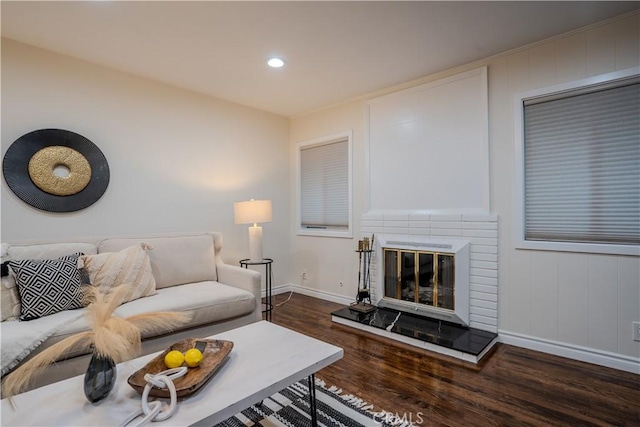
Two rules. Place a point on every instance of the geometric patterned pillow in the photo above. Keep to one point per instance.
(47, 286)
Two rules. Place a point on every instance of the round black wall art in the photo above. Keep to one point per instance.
(32, 163)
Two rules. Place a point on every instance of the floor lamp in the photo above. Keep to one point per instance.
(253, 212)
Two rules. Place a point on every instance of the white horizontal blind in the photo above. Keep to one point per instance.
(324, 192)
(582, 166)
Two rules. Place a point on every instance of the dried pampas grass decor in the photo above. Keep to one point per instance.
(110, 336)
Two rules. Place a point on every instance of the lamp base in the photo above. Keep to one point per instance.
(255, 243)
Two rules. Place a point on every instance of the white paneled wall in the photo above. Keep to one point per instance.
(480, 230)
(575, 304)
(416, 140)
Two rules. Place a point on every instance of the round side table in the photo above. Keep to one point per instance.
(268, 276)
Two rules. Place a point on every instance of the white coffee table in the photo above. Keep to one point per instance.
(265, 359)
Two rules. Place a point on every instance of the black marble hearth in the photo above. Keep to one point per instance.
(451, 336)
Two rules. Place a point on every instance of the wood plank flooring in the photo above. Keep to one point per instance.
(512, 387)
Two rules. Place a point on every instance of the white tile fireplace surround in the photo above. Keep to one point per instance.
(450, 232)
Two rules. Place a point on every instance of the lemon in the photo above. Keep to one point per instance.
(193, 357)
(174, 359)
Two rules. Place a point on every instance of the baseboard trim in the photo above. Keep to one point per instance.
(276, 290)
(583, 354)
(324, 295)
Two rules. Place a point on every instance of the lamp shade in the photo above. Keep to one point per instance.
(252, 211)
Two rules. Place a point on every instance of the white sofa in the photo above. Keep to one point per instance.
(190, 277)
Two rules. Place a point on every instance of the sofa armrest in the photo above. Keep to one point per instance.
(242, 278)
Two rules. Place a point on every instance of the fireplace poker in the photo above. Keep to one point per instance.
(359, 271)
(368, 271)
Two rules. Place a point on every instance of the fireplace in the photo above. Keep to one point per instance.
(426, 276)
(464, 249)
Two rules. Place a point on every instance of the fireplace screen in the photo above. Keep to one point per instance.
(422, 277)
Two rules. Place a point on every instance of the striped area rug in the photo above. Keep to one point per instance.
(290, 408)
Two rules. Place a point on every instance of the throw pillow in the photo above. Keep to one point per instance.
(47, 286)
(130, 267)
(10, 301)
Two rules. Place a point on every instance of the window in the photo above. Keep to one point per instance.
(580, 160)
(324, 186)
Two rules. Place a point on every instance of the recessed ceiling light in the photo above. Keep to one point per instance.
(275, 62)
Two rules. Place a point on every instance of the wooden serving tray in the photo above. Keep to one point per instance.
(213, 356)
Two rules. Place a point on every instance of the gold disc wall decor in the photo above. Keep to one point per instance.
(42, 170)
(56, 170)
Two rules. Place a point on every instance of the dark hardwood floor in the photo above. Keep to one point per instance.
(512, 386)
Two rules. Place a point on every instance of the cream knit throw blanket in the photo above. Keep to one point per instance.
(19, 339)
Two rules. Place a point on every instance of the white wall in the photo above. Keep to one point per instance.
(578, 300)
(178, 160)
(448, 168)
(579, 305)
(328, 261)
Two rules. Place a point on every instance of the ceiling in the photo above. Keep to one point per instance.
(334, 51)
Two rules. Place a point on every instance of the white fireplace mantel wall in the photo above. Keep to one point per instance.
(480, 229)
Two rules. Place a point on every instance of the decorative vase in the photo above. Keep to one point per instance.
(100, 378)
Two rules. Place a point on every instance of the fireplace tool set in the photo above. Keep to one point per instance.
(363, 298)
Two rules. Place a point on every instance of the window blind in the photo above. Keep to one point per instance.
(325, 185)
(582, 166)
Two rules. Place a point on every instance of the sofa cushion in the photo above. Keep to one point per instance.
(174, 260)
(49, 251)
(208, 302)
(129, 267)
(47, 286)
